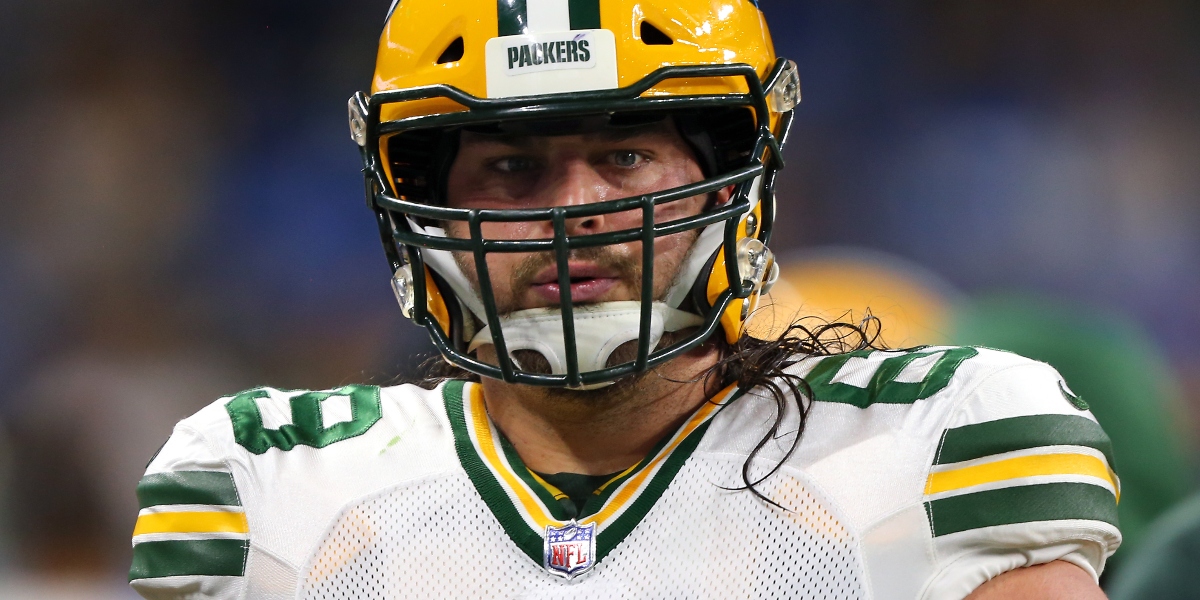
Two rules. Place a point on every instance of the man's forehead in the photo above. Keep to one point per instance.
(604, 134)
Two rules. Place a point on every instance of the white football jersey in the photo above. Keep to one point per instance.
(920, 474)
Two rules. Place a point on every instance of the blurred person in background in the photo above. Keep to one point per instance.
(1164, 568)
(1108, 360)
(1120, 373)
(1044, 149)
(109, 146)
(116, 318)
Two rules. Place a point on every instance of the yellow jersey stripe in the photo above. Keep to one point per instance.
(1022, 466)
(487, 446)
(617, 477)
(192, 522)
(634, 485)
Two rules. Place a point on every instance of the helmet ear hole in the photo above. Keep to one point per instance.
(653, 36)
(453, 52)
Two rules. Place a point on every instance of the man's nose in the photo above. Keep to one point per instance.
(575, 182)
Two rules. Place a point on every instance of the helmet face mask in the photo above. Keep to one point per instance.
(405, 162)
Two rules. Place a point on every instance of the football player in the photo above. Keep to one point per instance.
(574, 197)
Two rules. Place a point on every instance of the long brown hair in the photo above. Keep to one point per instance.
(764, 363)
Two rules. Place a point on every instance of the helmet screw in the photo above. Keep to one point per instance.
(402, 285)
(785, 94)
(358, 122)
(751, 224)
(753, 259)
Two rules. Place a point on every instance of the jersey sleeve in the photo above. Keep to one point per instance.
(191, 539)
(1023, 475)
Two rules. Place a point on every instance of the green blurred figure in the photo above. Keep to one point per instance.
(1164, 567)
(1104, 357)
(1115, 368)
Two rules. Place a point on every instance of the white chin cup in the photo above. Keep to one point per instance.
(599, 330)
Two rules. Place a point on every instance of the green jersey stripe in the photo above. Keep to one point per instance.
(512, 19)
(612, 535)
(508, 513)
(493, 494)
(883, 387)
(1020, 433)
(1022, 504)
(553, 506)
(187, 487)
(191, 557)
(585, 14)
(597, 501)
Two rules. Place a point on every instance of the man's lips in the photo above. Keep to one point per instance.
(589, 283)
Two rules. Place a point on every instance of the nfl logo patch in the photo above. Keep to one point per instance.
(570, 549)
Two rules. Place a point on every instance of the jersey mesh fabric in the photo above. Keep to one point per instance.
(436, 538)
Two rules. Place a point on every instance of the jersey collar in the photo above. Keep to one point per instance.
(526, 506)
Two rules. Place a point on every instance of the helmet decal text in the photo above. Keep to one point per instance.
(550, 63)
(543, 56)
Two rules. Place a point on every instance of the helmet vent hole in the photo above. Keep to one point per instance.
(452, 53)
(653, 36)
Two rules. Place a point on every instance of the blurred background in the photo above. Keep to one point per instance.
(181, 217)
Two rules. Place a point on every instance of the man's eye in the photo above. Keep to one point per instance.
(627, 159)
(514, 164)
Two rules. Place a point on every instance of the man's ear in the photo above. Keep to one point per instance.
(719, 197)
(724, 194)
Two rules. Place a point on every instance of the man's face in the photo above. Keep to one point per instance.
(531, 171)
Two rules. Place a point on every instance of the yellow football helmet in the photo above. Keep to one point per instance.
(444, 65)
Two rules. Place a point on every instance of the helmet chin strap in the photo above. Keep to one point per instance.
(599, 330)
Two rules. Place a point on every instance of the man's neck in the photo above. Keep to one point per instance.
(600, 431)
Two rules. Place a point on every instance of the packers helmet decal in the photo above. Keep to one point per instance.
(508, 63)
